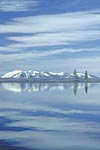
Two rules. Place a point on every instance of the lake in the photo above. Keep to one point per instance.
(50, 116)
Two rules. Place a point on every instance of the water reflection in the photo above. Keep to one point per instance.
(77, 85)
(36, 87)
(52, 119)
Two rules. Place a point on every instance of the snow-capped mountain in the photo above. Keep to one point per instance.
(37, 75)
(34, 74)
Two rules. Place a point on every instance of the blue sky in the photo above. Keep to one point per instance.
(50, 35)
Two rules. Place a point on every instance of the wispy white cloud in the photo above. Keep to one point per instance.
(17, 5)
(40, 54)
(60, 38)
(52, 23)
(52, 30)
(60, 29)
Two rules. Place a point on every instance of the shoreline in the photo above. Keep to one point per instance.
(25, 80)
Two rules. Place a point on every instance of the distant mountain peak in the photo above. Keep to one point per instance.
(31, 74)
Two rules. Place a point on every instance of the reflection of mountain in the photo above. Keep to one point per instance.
(35, 87)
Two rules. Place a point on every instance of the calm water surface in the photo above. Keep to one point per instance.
(49, 116)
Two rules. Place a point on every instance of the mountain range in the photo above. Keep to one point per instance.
(47, 76)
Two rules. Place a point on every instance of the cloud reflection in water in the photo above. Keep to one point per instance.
(50, 119)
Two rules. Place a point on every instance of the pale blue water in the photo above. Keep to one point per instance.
(49, 116)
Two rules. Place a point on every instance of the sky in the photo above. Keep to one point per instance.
(50, 35)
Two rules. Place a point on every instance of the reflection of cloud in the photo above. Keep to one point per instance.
(43, 126)
(51, 132)
(50, 120)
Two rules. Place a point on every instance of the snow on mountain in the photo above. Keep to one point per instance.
(33, 74)
(11, 74)
(46, 75)
(21, 74)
